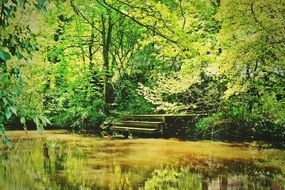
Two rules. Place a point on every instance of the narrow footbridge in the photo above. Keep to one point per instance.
(158, 124)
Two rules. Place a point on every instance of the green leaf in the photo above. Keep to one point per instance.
(6, 140)
(44, 120)
(19, 55)
(22, 1)
(39, 125)
(41, 5)
(41, 2)
(37, 122)
(5, 101)
(5, 56)
(23, 120)
(13, 110)
(4, 1)
(8, 114)
(2, 129)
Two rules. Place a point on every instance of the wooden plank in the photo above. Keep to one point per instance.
(165, 115)
(133, 129)
(143, 118)
(146, 124)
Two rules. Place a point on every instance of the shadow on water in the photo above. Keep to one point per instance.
(72, 162)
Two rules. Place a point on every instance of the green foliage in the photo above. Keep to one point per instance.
(17, 42)
(101, 59)
(7, 101)
(238, 79)
(246, 116)
(71, 100)
(129, 100)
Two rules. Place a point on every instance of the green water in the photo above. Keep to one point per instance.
(65, 161)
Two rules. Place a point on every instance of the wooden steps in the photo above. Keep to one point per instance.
(154, 118)
(150, 124)
(167, 125)
(133, 129)
(144, 124)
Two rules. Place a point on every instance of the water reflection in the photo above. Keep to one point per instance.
(184, 179)
(46, 159)
(66, 162)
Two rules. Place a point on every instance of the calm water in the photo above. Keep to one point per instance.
(56, 160)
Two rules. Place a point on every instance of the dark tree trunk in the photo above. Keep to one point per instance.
(106, 42)
(90, 51)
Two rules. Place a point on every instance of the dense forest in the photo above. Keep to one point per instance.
(77, 64)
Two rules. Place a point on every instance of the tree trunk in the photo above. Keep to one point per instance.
(106, 42)
(90, 52)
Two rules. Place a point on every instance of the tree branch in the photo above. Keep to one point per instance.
(83, 16)
(139, 23)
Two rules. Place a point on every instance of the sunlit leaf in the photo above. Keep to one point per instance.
(23, 120)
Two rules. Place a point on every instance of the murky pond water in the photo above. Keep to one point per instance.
(57, 160)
